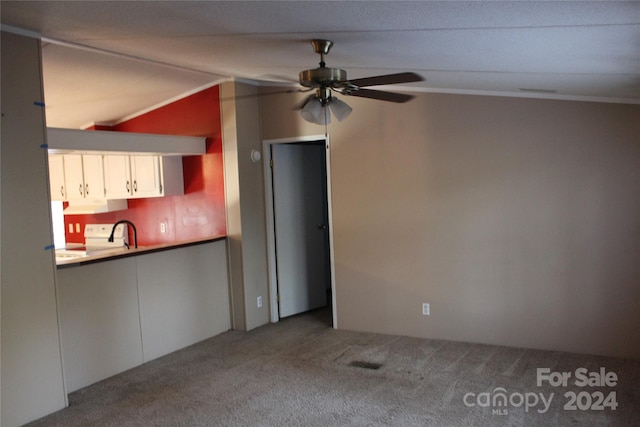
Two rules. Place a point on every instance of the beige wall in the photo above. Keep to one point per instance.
(32, 384)
(244, 193)
(516, 219)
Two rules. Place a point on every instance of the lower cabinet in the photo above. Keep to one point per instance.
(184, 297)
(99, 323)
(118, 314)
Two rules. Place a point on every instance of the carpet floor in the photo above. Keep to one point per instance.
(300, 372)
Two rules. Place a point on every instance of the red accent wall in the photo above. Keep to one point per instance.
(200, 212)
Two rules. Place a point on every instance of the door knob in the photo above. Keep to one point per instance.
(322, 226)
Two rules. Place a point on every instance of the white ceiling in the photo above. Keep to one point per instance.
(105, 60)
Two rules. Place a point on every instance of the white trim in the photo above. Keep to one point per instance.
(269, 210)
(332, 265)
(270, 225)
(170, 100)
(127, 56)
(519, 94)
(266, 83)
(20, 31)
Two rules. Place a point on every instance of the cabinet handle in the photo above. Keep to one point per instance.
(62, 190)
(128, 188)
(135, 186)
(86, 189)
(80, 189)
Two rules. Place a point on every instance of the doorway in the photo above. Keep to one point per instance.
(299, 240)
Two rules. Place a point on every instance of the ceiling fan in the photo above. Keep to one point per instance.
(326, 80)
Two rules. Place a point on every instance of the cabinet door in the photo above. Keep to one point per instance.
(93, 176)
(73, 176)
(145, 172)
(117, 176)
(56, 177)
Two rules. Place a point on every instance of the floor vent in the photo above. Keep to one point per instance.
(365, 365)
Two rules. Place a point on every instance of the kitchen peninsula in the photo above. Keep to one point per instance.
(122, 309)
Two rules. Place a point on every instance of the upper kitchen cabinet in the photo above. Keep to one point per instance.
(84, 176)
(73, 177)
(93, 173)
(56, 177)
(156, 176)
(146, 176)
(117, 176)
(142, 176)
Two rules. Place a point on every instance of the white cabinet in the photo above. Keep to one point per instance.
(56, 177)
(141, 176)
(114, 176)
(171, 177)
(145, 176)
(117, 176)
(93, 176)
(73, 176)
(76, 176)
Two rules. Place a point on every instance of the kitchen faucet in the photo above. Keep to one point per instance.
(135, 232)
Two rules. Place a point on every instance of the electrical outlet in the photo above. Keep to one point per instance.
(259, 302)
(163, 227)
(426, 310)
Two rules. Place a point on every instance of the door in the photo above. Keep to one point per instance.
(74, 176)
(301, 232)
(117, 176)
(145, 173)
(56, 177)
(93, 176)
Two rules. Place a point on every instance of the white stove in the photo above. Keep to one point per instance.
(96, 242)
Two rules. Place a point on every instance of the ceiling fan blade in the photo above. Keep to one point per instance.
(387, 79)
(381, 95)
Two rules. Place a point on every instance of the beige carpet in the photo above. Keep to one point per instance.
(300, 372)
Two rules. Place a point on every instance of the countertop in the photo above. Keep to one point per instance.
(124, 252)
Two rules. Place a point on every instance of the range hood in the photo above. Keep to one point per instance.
(94, 206)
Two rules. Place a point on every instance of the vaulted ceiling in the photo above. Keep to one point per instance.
(105, 60)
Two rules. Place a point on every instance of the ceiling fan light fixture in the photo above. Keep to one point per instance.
(339, 108)
(314, 112)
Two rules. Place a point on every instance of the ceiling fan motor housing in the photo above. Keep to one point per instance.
(322, 77)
